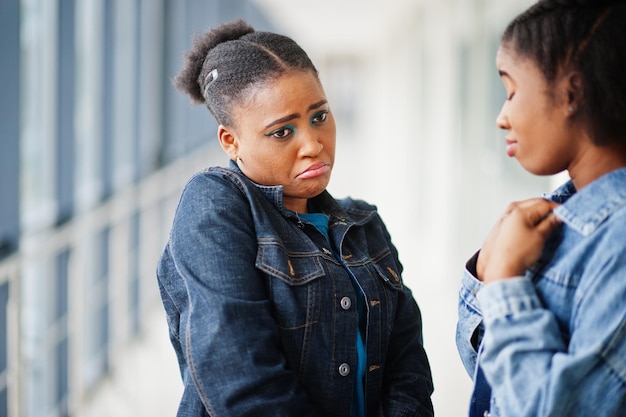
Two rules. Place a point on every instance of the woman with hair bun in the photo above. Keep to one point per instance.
(542, 306)
(281, 300)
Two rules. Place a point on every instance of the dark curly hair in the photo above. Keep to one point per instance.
(585, 36)
(227, 60)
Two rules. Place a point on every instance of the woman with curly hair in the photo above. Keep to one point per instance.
(280, 299)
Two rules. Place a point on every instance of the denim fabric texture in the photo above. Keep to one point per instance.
(554, 340)
(263, 317)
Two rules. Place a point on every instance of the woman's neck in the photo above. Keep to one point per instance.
(596, 161)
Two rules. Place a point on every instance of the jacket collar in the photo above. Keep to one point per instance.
(585, 210)
(324, 202)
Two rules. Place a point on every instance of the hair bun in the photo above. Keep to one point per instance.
(225, 32)
(187, 79)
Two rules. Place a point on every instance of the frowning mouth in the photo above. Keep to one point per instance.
(315, 170)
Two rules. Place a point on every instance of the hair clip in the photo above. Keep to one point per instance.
(211, 76)
(208, 79)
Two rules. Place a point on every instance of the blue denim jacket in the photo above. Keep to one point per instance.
(554, 340)
(263, 317)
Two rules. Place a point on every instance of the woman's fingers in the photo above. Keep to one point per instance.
(517, 241)
(532, 210)
(539, 211)
(548, 225)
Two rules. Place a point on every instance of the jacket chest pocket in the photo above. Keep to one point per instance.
(388, 271)
(293, 280)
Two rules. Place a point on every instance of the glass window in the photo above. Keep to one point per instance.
(4, 404)
(124, 97)
(134, 282)
(38, 115)
(64, 161)
(97, 310)
(89, 103)
(9, 127)
(4, 300)
(149, 74)
(61, 383)
(61, 286)
(57, 334)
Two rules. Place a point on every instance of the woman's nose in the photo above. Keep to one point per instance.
(502, 121)
(312, 146)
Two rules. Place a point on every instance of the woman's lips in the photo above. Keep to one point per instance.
(511, 147)
(315, 170)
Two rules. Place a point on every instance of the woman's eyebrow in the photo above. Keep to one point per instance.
(318, 104)
(296, 115)
(283, 119)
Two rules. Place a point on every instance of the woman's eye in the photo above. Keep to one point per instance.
(510, 96)
(281, 133)
(320, 117)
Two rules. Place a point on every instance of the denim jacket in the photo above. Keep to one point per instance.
(554, 340)
(263, 317)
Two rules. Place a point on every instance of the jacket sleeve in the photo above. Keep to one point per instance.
(407, 383)
(469, 328)
(532, 367)
(228, 337)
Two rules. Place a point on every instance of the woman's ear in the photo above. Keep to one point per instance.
(228, 141)
(575, 92)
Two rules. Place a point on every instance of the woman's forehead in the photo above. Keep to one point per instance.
(289, 89)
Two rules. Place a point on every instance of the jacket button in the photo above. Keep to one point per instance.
(346, 303)
(344, 369)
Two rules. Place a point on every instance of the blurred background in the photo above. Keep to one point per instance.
(96, 145)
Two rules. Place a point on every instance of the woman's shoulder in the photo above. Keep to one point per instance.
(215, 186)
(215, 192)
(359, 211)
(215, 178)
(349, 203)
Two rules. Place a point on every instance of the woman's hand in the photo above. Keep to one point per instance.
(516, 241)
